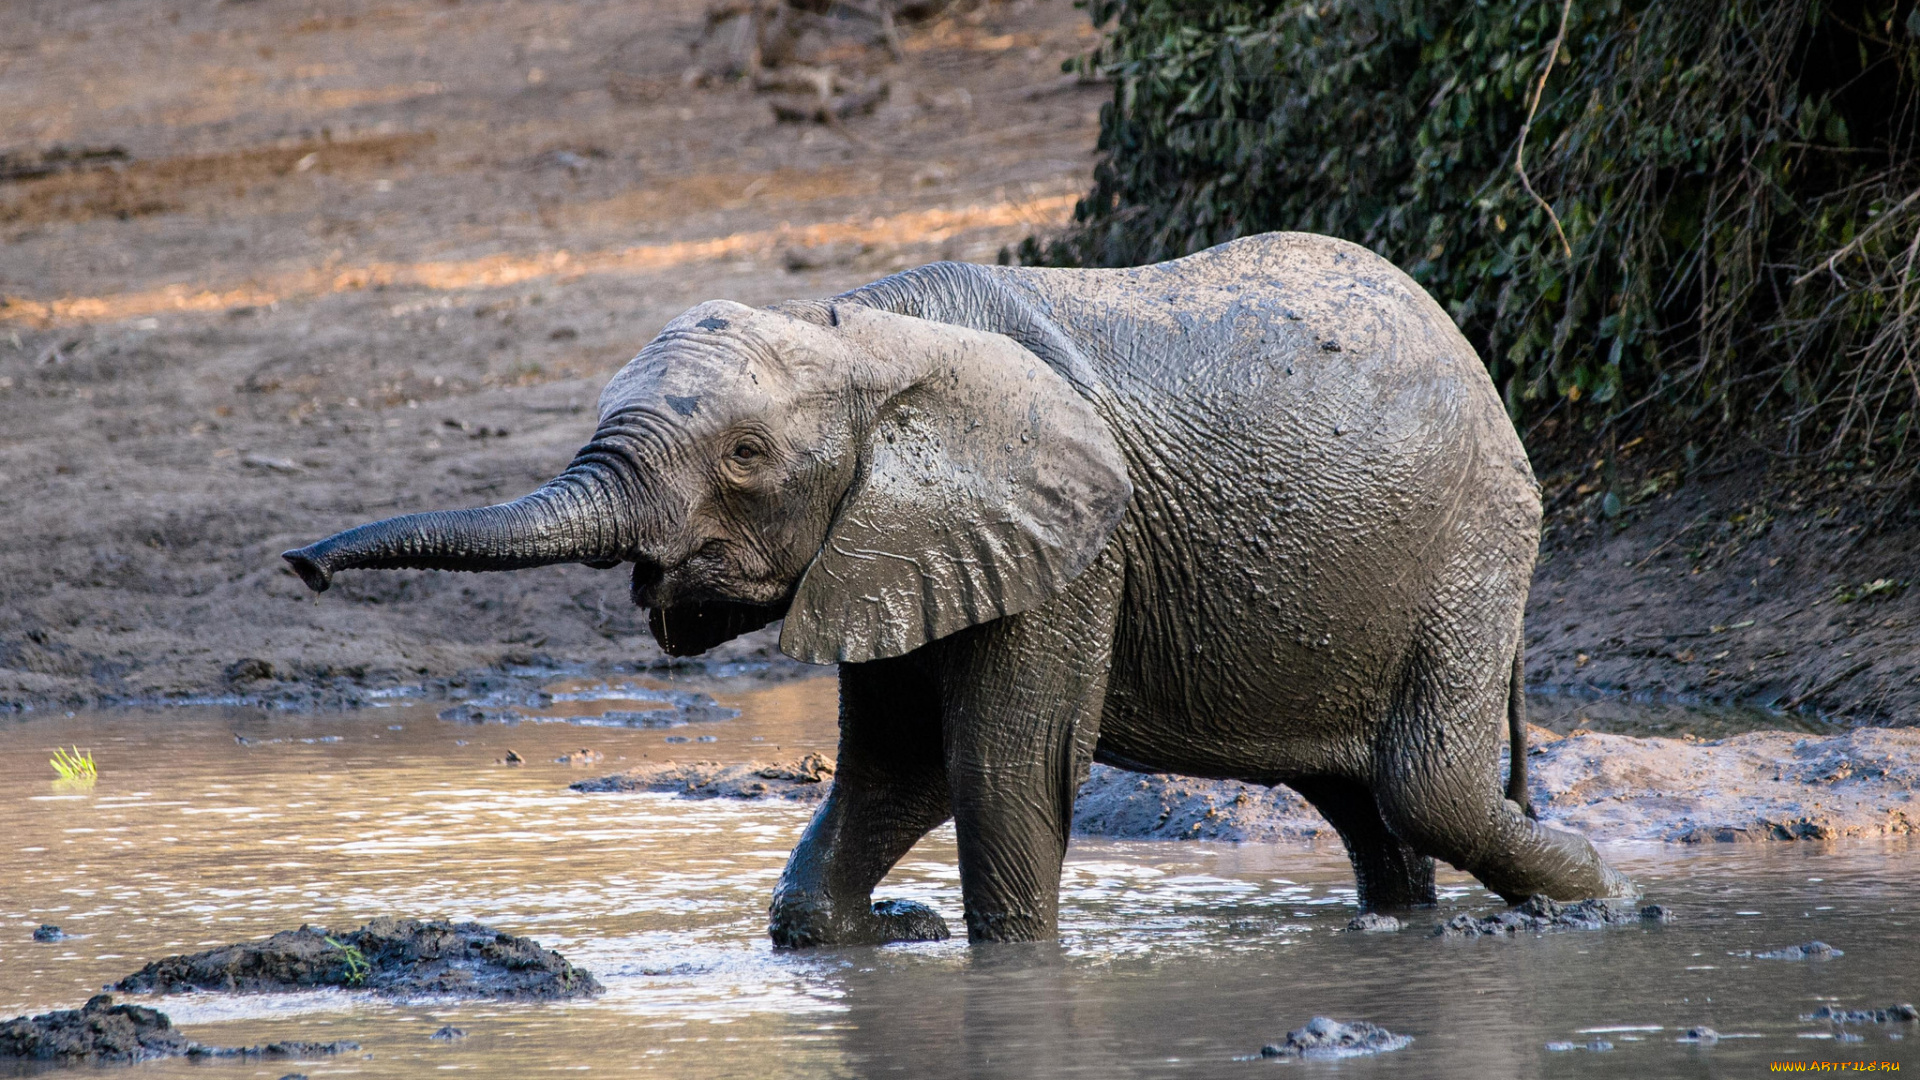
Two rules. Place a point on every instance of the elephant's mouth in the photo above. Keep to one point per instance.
(689, 622)
(689, 629)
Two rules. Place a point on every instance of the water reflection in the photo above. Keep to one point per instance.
(1173, 958)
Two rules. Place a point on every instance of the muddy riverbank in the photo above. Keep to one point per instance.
(338, 267)
(326, 269)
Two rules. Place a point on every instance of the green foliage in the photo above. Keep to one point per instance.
(75, 765)
(1739, 181)
(357, 966)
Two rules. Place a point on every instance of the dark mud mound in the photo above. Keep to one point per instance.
(804, 780)
(99, 1032)
(1812, 950)
(1135, 806)
(395, 957)
(103, 1033)
(1541, 915)
(1324, 1038)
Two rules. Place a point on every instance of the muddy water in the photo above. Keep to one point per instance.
(211, 825)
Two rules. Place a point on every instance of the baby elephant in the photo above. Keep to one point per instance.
(1254, 514)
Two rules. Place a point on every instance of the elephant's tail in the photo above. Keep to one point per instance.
(1517, 731)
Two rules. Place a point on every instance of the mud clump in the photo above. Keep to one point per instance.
(806, 779)
(1325, 1038)
(1541, 915)
(392, 957)
(103, 1033)
(1372, 922)
(1812, 950)
(1136, 806)
(98, 1032)
(1891, 1014)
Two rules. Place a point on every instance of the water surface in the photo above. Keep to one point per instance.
(213, 825)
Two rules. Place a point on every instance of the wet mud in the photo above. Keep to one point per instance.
(1754, 787)
(103, 1033)
(678, 708)
(1812, 950)
(804, 779)
(402, 958)
(1540, 915)
(1325, 1038)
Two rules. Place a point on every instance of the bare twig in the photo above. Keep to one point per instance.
(1828, 265)
(1520, 152)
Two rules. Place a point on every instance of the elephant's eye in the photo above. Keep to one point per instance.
(745, 452)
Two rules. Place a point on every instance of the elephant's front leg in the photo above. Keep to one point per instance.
(1023, 701)
(889, 790)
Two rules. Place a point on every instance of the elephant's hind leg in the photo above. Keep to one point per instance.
(889, 790)
(1389, 872)
(1438, 788)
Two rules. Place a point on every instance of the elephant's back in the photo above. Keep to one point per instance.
(1321, 460)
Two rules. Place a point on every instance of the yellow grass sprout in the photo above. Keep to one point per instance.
(74, 764)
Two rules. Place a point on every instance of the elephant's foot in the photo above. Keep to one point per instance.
(799, 925)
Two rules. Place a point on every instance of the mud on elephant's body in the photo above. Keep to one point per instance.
(1257, 513)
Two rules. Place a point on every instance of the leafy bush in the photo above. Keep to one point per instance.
(1738, 181)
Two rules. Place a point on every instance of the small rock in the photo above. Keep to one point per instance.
(1372, 922)
(1324, 1038)
(512, 758)
(1599, 1046)
(448, 1034)
(294, 1076)
(1659, 913)
(48, 932)
(582, 756)
(1562, 1047)
(1705, 1036)
(1812, 950)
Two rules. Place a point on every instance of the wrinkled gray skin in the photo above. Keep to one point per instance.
(1254, 514)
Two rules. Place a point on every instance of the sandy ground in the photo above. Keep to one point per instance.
(382, 258)
(326, 266)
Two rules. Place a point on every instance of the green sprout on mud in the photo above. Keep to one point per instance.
(357, 967)
(75, 765)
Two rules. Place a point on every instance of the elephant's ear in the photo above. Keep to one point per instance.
(985, 486)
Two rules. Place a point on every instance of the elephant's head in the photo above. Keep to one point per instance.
(880, 480)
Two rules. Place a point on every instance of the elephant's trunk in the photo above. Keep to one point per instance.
(582, 515)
